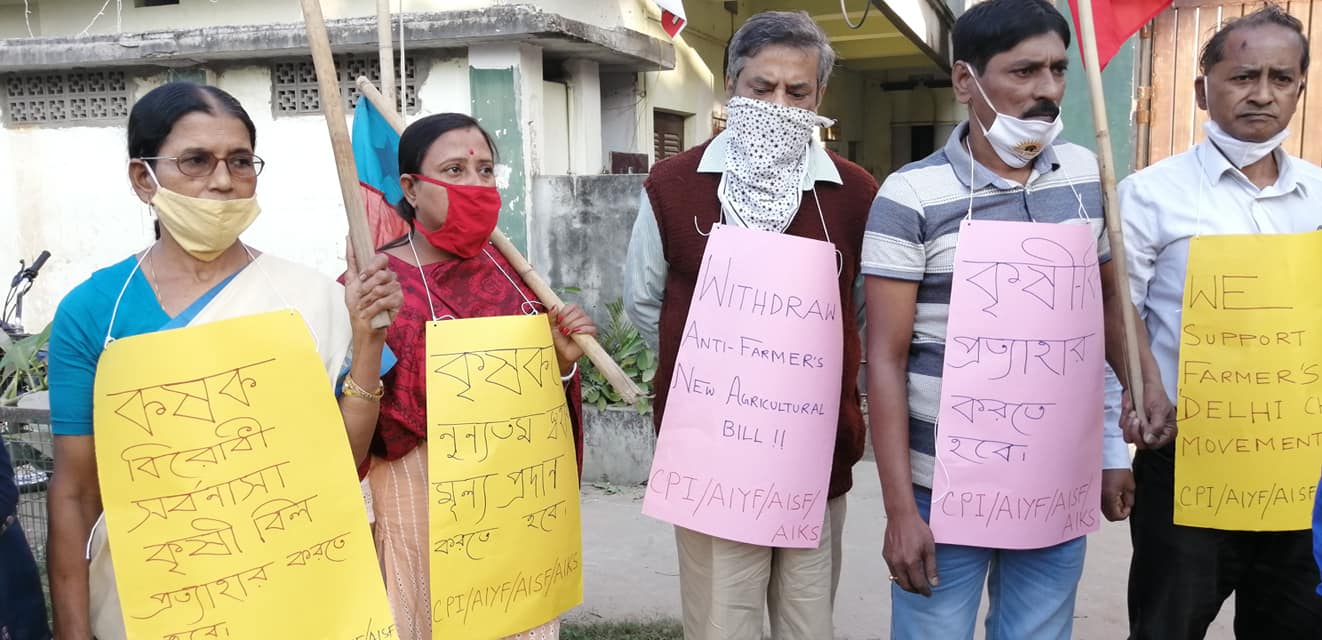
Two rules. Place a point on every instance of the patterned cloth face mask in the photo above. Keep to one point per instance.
(766, 161)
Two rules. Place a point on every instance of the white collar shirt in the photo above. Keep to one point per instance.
(645, 265)
(820, 166)
(1199, 192)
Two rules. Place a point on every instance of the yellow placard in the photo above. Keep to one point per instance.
(232, 504)
(1250, 383)
(506, 539)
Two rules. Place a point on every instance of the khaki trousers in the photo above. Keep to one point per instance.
(726, 586)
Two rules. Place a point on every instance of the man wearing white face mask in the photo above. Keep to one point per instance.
(1004, 165)
(763, 172)
(1238, 181)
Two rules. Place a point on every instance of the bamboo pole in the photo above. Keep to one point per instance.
(623, 385)
(1106, 163)
(360, 237)
(403, 65)
(387, 49)
(382, 103)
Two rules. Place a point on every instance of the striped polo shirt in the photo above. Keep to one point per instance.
(911, 235)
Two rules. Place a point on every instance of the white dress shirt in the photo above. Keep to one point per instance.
(1115, 451)
(1199, 192)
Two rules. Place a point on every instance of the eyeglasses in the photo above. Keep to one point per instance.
(200, 164)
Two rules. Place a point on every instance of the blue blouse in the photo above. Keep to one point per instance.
(79, 333)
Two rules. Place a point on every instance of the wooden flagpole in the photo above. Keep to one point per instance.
(629, 392)
(1093, 69)
(386, 49)
(360, 237)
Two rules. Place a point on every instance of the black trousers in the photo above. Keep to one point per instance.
(1180, 576)
(22, 604)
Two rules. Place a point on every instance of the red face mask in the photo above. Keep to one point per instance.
(469, 219)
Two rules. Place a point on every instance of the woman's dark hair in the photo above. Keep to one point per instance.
(997, 26)
(154, 114)
(414, 143)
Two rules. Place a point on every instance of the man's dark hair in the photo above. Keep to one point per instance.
(788, 28)
(1215, 49)
(997, 26)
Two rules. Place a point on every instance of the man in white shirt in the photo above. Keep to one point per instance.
(1239, 181)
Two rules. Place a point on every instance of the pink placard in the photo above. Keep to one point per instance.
(1019, 435)
(749, 427)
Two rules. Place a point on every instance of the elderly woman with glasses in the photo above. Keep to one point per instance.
(191, 158)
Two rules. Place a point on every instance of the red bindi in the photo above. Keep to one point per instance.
(470, 152)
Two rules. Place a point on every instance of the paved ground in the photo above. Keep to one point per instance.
(631, 570)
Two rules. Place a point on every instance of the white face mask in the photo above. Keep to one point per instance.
(1016, 141)
(1242, 153)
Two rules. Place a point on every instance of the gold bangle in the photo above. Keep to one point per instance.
(353, 390)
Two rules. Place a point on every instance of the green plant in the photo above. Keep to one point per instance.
(626, 346)
(622, 630)
(23, 367)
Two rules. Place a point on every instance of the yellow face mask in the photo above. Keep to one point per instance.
(204, 228)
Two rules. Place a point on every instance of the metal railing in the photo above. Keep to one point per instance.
(26, 434)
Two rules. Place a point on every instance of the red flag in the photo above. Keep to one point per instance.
(672, 16)
(386, 225)
(1114, 21)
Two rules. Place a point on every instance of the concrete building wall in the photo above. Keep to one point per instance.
(446, 87)
(89, 218)
(505, 80)
(695, 88)
(12, 22)
(66, 187)
(302, 213)
(579, 234)
(555, 122)
(623, 115)
(67, 192)
(71, 17)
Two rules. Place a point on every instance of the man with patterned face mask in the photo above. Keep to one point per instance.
(1000, 171)
(764, 172)
(1233, 197)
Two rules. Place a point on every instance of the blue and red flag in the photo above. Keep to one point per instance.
(376, 154)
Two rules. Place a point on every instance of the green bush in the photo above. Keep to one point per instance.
(22, 368)
(626, 346)
(641, 630)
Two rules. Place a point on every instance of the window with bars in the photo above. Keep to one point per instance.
(66, 97)
(296, 91)
(667, 134)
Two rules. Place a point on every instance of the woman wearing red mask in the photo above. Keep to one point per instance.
(447, 269)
